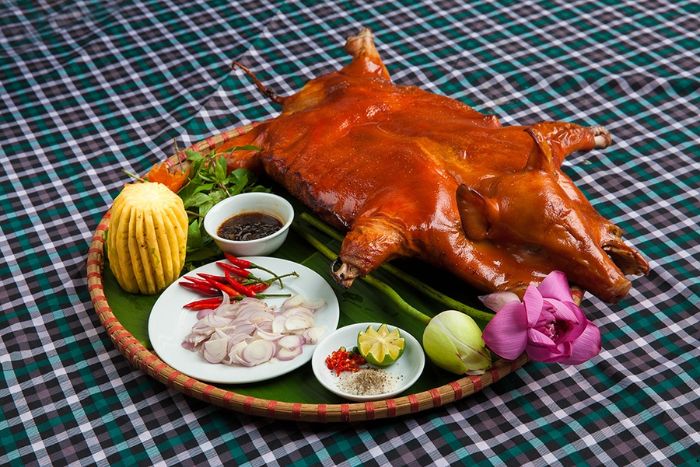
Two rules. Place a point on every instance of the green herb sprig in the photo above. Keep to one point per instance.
(210, 183)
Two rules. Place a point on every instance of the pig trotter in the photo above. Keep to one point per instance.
(602, 137)
(343, 273)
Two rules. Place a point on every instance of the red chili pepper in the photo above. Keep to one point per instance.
(244, 263)
(205, 289)
(248, 279)
(195, 280)
(238, 287)
(200, 281)
(209, 299)
(207, 303)
(259, 287)
(222, 287)
(236, 271)
(206, 277)
(241, 263)
(201, 307)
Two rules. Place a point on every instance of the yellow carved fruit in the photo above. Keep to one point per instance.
(147, 237)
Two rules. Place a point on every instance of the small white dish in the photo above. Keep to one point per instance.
(265, 203)
(405, 371)
(169, 324)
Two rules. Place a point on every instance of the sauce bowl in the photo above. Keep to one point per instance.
(264, 203)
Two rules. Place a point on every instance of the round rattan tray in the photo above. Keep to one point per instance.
(146, 360)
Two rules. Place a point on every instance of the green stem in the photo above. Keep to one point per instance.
(387, 290)
(270, 295)
(192, 213)
(374, 282)
(275, 276)
(134, 176)
(407, 278)
(223, 187)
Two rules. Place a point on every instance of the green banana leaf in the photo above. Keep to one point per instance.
(361, 303)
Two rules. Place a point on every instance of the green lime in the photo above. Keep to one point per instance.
(380, 347)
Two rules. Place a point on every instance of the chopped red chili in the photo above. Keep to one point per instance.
(341, 360)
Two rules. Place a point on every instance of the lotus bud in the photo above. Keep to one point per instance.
(452, 341)
(547, 324)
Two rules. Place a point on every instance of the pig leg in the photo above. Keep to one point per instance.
(373, 240)
(557, 140)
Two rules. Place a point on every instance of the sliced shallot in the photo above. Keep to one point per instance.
(293, 301)
(215, 350)
(249, 332)
(278, 324)
(295, 323)
(313, 335)
(258, 352)
(290, 342)
(288, 354)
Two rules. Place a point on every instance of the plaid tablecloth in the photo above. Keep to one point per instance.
(91, 88)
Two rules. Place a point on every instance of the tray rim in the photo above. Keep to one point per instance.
(142, 358)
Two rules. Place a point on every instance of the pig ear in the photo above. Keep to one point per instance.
(476, 211)
(365, 58)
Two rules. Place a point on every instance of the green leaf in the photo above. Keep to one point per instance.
(186, 191)
(205, 187)
(247, 147)
(194, 156)
(194, 236)
(220, 170)
(197, 165)
(217, 196)
(197, 199)
(132, 310)
(239, 180)
(238, 173)
(207, 253)
(205, 207)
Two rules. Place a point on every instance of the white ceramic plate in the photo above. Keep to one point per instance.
(169, 323)
(406, 370)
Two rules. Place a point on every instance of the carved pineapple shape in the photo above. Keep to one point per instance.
(147, 237)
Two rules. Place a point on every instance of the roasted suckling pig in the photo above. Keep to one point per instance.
(409, 173)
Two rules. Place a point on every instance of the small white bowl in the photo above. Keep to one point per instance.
(406, 370)
(265, 203)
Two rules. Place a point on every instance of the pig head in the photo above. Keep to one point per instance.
(538, 211)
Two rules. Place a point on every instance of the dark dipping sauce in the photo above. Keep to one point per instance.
(249, 226)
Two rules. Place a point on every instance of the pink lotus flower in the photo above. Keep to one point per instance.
(547, 324)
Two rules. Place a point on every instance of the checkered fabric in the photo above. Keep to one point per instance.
(89, 88)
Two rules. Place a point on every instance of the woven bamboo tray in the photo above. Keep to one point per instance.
(146, 360)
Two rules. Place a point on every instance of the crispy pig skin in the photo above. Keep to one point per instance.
(414, 174)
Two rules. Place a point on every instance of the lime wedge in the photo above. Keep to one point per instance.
(380, 347)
